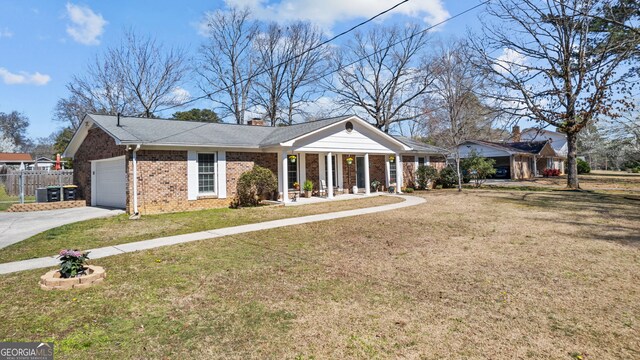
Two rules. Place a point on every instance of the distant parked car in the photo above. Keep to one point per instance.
(502, 172)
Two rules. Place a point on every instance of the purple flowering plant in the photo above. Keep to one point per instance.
(72, 263)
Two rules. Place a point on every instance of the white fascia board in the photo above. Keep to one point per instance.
(78, 137)
(510, 152)
(204, 148)
(359, 120)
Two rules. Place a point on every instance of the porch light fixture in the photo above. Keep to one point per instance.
(349, 160)
(392, 158)
(292, 158)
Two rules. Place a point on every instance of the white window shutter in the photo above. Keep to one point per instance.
(222, 175)
(192, 175)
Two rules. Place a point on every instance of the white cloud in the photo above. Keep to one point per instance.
(510, 60)
(23, 78)
(5, 33)
(180, 95)
(86, 26)
(328, 12)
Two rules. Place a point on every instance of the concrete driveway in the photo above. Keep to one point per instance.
(15, 227)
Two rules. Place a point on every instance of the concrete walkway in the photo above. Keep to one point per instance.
(17, 226)
(98, 253)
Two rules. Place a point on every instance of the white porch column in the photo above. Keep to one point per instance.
(302, 168)
(387, 172)
(280, 174)
(329, 175)
(367, 181)
(399, 174)
(535, 166)
(338, 166)
(284, 176)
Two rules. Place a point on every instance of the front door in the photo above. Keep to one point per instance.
(360, 177)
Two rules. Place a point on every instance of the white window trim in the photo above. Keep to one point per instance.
(193, 188)
(215, 175)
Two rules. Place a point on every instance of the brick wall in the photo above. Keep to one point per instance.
(241, 162)
(313, 169)
(408, 171)
(347, 185)
(377, 170)
(437, 162)
(46, 206)
(97, 145)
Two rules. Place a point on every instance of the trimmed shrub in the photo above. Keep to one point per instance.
(477, 168)
(426, 174)
(255, 185)
(550, 172)
(408, 190)
(583, 167)
(448, 178)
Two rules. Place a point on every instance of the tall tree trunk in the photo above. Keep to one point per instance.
(459, 172)
(572, 164)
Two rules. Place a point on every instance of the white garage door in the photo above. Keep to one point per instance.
(110, 183)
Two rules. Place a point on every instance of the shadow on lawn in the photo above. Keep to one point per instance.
(611, 207)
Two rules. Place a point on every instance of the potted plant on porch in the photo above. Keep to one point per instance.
(308, 188)
(375, 184)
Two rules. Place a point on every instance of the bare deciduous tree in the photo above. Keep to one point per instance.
(559, 68)
(135, 78)
(151, 73)
(453, 109)
(386, 79)
(227, 61)
(291, 60)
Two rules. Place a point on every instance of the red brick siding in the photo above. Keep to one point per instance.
(241, 162)
(408, 171)
(312, 166)
(348, 173)
(377, 169)
(96, 146)
(437, 162)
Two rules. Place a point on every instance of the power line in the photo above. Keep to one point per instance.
(293, 57)
(341, 67)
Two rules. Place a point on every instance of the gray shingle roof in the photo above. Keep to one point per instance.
(522, 147)
(175, 132)
(172, 132)
(286, 133)
(419, 146)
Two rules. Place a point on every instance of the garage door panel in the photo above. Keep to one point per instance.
(111, 183)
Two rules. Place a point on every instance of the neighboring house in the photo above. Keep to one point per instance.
(523, 159)
(558, 143)
(15, 160)
(154, 165)
(42, 163)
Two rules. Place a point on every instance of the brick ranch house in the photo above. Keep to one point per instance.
(526, 155)
(152, 166)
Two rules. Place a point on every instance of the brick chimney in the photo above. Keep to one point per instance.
(515, 134)
(256, 122)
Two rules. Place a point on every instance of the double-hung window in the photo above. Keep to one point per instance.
(392, 171)
(420, 161)
(292, 170)
(206, 173)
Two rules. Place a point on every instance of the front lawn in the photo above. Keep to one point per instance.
(119, 230)
(481, 274)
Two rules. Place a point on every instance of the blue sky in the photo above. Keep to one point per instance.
(43, 43)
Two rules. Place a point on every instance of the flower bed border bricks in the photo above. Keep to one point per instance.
(52, 280)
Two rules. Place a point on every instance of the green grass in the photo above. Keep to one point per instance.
(451, 283)
(6, 200)
(118, 230)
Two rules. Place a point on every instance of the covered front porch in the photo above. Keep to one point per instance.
(336, 174)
